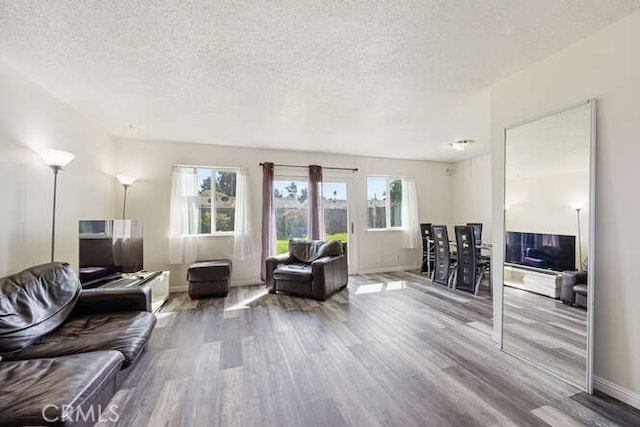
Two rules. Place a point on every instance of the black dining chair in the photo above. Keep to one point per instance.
(477, 231)
(469, 269)
(428, 250)
(483, 260)
(444, 263)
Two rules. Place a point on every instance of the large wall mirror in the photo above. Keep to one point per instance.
(549, 246)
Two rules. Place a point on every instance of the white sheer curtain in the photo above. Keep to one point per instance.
(411, 233)
(183, 217)
(243, 245)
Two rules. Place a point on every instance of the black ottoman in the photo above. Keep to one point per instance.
(209, 278)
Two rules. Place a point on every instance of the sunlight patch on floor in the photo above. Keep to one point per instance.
(381, 287)
(244, 304)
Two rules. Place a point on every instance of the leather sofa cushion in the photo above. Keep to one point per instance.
(28, 386)
(126, 332)
(208, 271)
(307, 251)
(35, 302)
(294, 272)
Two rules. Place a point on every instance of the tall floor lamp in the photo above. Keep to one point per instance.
(579, 239)
(126, 182)
(57, 160)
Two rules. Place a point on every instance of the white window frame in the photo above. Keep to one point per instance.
(387, 204)
(214, 170)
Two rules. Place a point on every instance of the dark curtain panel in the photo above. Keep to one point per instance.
(267, 216)
(315, 192)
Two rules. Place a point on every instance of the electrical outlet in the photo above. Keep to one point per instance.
(397, 257)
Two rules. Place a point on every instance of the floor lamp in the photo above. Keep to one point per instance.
(579, 240)
(57, 160)
(126, 182)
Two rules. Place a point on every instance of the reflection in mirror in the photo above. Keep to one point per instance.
(547, 242)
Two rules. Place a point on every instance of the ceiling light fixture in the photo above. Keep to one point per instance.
(461, 144)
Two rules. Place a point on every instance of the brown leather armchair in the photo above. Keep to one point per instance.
(311, 268)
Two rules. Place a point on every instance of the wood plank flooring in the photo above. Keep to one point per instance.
(547, 333)
(391, 350)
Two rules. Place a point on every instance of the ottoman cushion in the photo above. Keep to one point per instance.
(208, 271)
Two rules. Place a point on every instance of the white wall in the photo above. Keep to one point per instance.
(605, 66)
(149, 197)
(472, 193)
(543, 205)
(31, 119)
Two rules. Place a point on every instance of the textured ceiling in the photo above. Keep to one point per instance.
(390, 79)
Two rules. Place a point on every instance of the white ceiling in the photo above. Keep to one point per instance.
(381, 78)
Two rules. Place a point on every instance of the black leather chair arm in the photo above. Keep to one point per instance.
(272, 263)
(325, 276)
(110, 300)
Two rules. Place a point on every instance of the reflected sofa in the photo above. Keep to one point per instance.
(574, 287)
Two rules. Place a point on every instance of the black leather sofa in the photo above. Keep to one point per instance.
(64, 351)
(312, 268)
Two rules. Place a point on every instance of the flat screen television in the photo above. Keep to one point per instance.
(108, 248)
(546, 251)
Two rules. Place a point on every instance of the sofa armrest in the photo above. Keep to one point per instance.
(272, 263)
(108, 300)
(329, 275)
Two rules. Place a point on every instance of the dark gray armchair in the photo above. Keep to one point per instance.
(574, 287)
(311, 268)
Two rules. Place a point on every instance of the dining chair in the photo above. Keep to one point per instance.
(469, 269)
(477, 231)
(444, 264)
(428, 250)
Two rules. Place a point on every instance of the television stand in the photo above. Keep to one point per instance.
(543, 282)
(157, 281)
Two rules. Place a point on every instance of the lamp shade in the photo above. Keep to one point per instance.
(126, 179)
(56, 158)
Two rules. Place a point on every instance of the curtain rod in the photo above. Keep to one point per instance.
(303, 166)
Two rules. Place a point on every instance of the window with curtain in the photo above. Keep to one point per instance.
(205, 201)
(216, 200)
(384, 203)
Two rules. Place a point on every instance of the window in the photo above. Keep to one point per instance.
(217, 201)
(384, 202)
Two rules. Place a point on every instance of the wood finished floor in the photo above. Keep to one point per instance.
(546, 332)
(390, 350)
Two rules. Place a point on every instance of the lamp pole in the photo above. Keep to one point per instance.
(124, 203)
(579, 240)
(56, 169)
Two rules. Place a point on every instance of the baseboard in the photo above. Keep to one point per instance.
(614, 390)
(184, 287)
(390, 269)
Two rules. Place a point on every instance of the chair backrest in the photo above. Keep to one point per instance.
(477, 231)
(442, 254)
(467, 258)
(425, 234)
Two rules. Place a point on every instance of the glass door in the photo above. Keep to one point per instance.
(291, 207)
(337, 221)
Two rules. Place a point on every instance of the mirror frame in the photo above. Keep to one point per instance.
(499, 250)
